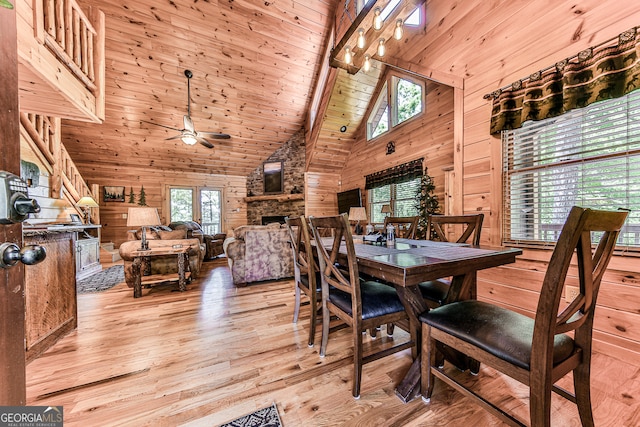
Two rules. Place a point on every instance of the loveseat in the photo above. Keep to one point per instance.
(256, 253)
(194, 230)
(160, 265)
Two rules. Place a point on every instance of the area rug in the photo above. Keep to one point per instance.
(101, 281)
(265, 417)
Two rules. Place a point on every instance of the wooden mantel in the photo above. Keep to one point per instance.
(278, 197)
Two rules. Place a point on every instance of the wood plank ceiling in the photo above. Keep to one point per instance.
(254, 67)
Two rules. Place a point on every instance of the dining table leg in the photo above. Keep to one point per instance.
(414, 304)
(462, 288)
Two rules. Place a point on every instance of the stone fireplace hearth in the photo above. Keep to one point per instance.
(291, 201)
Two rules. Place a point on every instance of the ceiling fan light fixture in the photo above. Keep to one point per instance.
(189, 139)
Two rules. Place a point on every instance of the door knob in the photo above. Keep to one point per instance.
(10, 254)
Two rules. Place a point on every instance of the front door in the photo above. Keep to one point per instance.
(12, 349)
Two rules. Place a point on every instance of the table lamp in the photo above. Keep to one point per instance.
(386, 209)
(143, 217)
(86, 203)
(357, 214)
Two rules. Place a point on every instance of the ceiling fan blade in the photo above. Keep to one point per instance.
(188, 123)
(173, 137)
(204, 142)
(214, 135)
(162, 126)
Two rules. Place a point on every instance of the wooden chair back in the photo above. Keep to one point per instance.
(300, 233)
(345, 277)
(406, 226)
(305, 270)
(441, 226)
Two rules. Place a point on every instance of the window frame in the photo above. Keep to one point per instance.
(552, 164)
(374, 206)
(196, 203)
(388, 92)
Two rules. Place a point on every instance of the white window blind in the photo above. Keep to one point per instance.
(588, 157)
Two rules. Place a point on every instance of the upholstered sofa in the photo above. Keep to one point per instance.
(256, 253)
(213, 243)
(159, 237)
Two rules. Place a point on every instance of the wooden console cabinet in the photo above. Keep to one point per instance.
(51, 308)
(51, 305)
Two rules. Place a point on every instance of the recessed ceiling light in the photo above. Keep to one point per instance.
(343, 129)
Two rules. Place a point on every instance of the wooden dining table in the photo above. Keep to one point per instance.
(410, 262)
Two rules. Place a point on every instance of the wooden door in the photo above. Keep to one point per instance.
(12, 356)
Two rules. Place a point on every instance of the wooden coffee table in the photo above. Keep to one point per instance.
(143, 256)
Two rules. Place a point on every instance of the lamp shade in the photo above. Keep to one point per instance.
(357, 214)
(87, 202)
(142, 217)
(386, 209)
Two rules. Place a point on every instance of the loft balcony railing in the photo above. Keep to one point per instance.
(63, 34)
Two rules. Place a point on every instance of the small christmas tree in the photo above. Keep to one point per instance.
(142, 199)
(427, 204)
(132, 196)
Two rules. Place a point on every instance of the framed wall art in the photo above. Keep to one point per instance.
(113, 194)
(273, 177)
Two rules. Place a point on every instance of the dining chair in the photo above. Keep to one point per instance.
(440, 228)
(306, 272)
(405, 226)
(535, 351)
(360, 303)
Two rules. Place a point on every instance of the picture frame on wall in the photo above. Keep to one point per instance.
(113, 194)
(273, 177)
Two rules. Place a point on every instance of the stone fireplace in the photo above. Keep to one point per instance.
(291, 201)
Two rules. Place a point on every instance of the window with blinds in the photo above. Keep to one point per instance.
(402, 198)
(588, 157)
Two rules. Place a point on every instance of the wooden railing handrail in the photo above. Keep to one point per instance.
(67, 31)
(45, 133)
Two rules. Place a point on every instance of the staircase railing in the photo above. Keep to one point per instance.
(45, 133)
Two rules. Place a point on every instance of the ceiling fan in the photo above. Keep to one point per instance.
(188, 134)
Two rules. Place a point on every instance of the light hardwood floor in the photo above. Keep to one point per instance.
(216, 352)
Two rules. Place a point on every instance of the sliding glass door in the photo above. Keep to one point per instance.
(200, 204)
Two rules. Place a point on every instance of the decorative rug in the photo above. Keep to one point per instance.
(101, 281)
(265, 417)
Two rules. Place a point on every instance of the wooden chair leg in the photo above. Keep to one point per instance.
(581, 384)
(428, 356)
(326, 318)
(312, 320)
(540, 404)
(296, 308)
(390, 328)
(357, 361)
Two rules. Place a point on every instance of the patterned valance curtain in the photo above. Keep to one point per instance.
(395, 175)
(595, 74)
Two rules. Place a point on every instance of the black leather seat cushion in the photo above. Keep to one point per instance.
(501, 332)
(377, 299)
(305, 281)
(435, 290)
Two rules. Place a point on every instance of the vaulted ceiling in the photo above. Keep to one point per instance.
(254, 67)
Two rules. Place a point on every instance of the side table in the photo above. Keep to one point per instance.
(142, 257)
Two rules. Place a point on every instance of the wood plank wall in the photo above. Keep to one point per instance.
(429, 136)
(113, 214)
(321, 193)
(494, 44)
